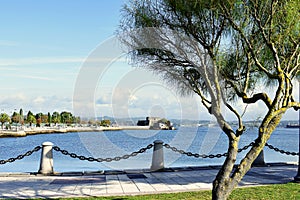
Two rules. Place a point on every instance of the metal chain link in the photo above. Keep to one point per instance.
(282, 151)
(142, 150)
(246, 147)
(20, 157)
(196, 155)
(91, 159)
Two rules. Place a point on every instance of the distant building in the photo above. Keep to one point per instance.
(155, 123)
(143, 122)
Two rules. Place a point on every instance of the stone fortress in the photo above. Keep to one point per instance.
(156, 123)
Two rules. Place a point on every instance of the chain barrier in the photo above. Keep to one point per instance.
(91, 159)
(142, 150)
(196, 155)
(20, 157)
(282, 151)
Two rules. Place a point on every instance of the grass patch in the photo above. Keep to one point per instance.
(277, 191)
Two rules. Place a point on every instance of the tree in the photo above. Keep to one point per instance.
(66, 117)
(30, 118)
(105, 122)
(222, 51)
(38, 118)
(28, 114)
(44, 118)
(49, 118)
(16, 118)
(77, 120)
(4, 118)
(21, 116)
(56, 117)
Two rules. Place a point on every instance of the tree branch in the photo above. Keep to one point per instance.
(256, 97)
(239, 30)
(265, 37)
(241, 128)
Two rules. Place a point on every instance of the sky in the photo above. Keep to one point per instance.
(62, 56)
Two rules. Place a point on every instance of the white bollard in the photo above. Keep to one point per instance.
(46, 164)
(158, 156)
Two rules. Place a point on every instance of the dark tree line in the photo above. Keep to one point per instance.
(39, 118)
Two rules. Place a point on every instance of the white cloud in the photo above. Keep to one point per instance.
(39, 100)
(35, 103)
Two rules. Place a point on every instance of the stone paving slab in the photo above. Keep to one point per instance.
(119, 183)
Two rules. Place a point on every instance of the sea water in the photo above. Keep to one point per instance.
(109, 144)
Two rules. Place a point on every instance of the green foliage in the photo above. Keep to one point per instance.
(31, 119)
(66, 117)
(105, 122)
(247, 41)
(4, 118)
(16, 117)
(49, 118)
(21, 112)
(29, 113)
(40, 118)
(56, 117)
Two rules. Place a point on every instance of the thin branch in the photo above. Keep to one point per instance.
(238, 116)
(265, 37)
(237, 28)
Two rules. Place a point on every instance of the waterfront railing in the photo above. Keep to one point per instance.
(46, 160)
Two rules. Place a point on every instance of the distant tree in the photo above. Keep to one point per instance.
(164, 120)
(21, 116)
(4, 118)
(56, 118)
(105, 122)
(38, 118)
(49, 118)
(66, 117)
(38, 122)
(77, 120)
(44, 118)
(16, 117)
(29, 113)
(91, 122)
(38, 115)
(31, 119)
(223, 51)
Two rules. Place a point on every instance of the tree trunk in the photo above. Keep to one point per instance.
(226, 181)
(222, 185)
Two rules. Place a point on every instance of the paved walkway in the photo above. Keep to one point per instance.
(116, 183)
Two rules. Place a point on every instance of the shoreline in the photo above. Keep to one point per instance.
(49, 130)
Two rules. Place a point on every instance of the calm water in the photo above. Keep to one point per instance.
(202, 140)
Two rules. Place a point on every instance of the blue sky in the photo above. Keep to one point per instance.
(44, 45)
